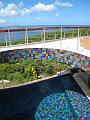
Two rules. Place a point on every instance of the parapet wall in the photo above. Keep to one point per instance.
(67, 57)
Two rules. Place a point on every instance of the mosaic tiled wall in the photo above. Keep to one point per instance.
(55, 54)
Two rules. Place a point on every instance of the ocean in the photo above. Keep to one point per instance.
(21, 35)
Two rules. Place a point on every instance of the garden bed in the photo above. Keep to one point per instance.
(29, 70)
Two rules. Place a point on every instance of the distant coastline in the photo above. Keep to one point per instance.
(21, 35)
(26, 26)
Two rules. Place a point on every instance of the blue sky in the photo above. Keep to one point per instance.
(44, 12)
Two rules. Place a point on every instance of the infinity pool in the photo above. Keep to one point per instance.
(59, 98)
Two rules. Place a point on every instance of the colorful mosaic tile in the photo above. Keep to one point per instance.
(44, 53)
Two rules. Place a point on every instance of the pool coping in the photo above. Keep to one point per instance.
(76, 77)
(65, 72)
(82, 85)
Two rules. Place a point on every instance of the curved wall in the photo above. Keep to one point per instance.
(68, 57)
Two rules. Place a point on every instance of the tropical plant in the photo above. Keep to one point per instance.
(27, 70)
(30, 72)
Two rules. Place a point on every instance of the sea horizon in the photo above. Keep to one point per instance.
(21, 35)
(25, 26)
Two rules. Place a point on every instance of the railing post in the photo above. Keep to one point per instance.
(78, 39)
(44, 37)
(25, 38)
(9, 37)
(64, 33)
(41, 37)
(27, 35)
(5, 39)
(61, 32)
(80, 34)
(87, 32)
(55, 36)
(61, 39)
(73, 33)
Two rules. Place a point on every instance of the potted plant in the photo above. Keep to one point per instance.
(74, 70)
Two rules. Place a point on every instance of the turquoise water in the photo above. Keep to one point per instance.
(59, 98)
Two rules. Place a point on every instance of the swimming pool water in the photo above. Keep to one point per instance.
(59, 98)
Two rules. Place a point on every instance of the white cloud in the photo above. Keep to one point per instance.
(25, 11)
(11, 6)
(10, 10)
(63, 4)
(40, 7)
(2, 21)
(13, 9)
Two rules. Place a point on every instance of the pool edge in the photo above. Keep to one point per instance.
(82, 85)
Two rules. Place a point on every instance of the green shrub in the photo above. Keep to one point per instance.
(30, 72)
(7, 68)
(16, 77)
(50, 68)
(39, 67)
(27, 70)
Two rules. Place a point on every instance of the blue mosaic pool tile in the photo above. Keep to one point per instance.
(80, 104)
(54, 107)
